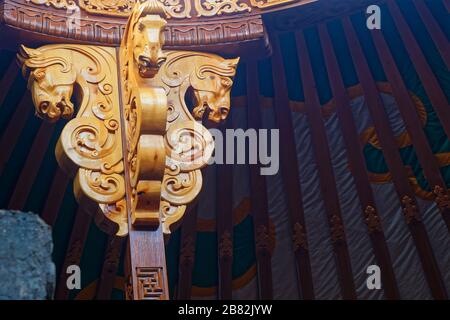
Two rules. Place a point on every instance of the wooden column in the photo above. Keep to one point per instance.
(325, 170)
(290, 174)
(395, 164)
(358, 167)
(259, 192)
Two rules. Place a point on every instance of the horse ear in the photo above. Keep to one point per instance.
(233, 62)
(29, 52)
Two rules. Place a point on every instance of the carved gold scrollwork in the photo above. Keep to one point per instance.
(166, 144)
(175, 9)
(211, 8)
(90, 145)
(268, 3)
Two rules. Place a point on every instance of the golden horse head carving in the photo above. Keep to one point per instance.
(204, 80)
(50, 79)
(144, 37)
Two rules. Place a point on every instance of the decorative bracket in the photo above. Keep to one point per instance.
(154, 144)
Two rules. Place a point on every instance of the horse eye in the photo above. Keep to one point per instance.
(226, 82)
(212, 77)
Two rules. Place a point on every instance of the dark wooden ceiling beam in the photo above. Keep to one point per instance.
(31, 167)
(259, 201)
(290, 174)
(327, 180)
(187, 254)
(225, 224)
(413, 124)
(435, 32)
(7, 79)
(358, 166)
(426, 75)
(15, 126)
(74, 251)
(55, 197)
(395, 164)
(111, 262)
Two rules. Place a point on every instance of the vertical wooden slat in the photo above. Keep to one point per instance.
(225, 224)
(16, 124)
(7, 79)
(412, 121)
(55, 197)
(290, 174)
(435, 32)
(327, 180)
(187, 255)
(32, 164)
(259, 200)
(74, 251)
(358, 167)
(109, 270)
(395, 165)
(426, 75)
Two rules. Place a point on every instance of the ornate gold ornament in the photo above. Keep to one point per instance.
(90, 145)
(166, 144)
(175, 9)
(206, 79)
(268, 3)
(211, 8)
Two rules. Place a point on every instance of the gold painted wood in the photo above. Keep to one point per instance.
(145, 110)
(166, 143)
(90, 145)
